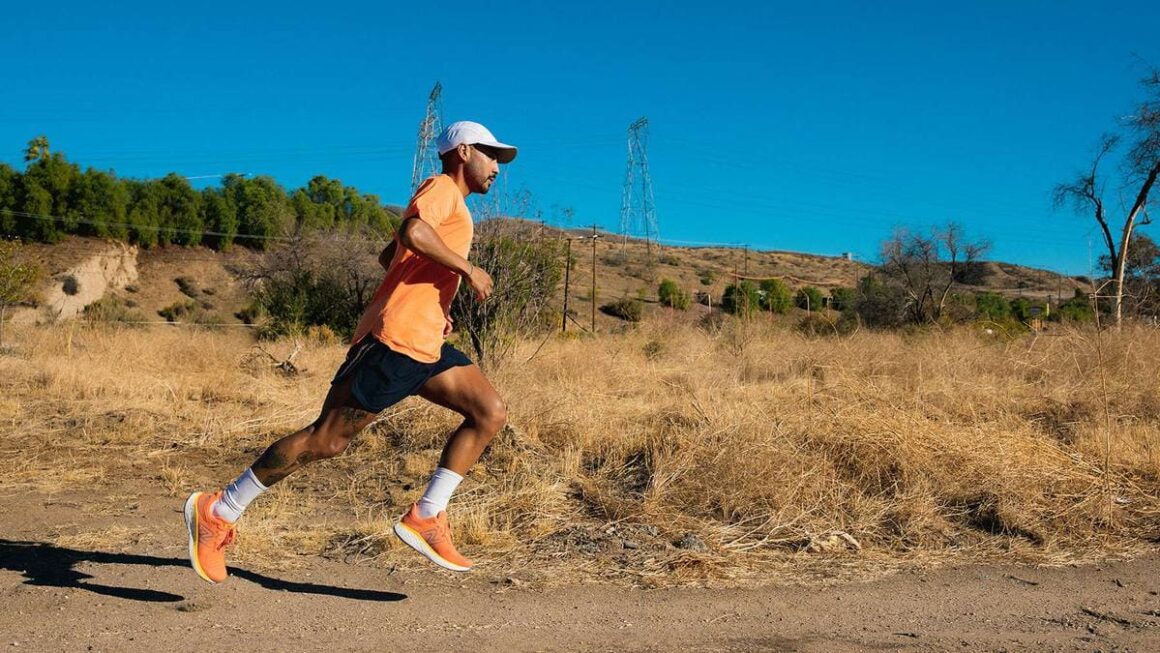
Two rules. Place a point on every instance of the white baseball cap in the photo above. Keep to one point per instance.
(466, 132)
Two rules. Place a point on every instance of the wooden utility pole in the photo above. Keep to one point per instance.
(567, 280)
(593, 295)
(746, 260)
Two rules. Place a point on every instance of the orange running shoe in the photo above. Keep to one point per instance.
(432, 538)
(208, 537)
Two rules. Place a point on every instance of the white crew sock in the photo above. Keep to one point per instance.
(439, 491)
(237, 496)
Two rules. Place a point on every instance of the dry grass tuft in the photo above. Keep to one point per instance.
(665, 454)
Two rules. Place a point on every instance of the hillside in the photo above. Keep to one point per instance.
(623, 268)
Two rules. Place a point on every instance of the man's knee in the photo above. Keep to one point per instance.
(325, 445)
(328, 438)
(491, 415)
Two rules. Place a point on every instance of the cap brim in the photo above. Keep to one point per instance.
(504, 153)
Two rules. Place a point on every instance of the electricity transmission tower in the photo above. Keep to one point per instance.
(426, 156)
(637, 209)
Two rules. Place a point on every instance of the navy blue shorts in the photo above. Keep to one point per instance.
(381, 377)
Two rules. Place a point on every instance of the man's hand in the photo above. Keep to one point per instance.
(447, 327)
(480, 282)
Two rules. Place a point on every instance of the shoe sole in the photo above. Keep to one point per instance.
(414, 540)
(191, 526)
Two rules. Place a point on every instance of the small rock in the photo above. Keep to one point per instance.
(691, 542)
(629, 544)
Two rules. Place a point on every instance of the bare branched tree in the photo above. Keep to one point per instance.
(1139, 171)
(526, 268)
(925, 266)
(316, 278)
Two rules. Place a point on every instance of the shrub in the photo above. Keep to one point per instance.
(775, 296)
(741, 298)
(625, 309)
(323, 335)
(673, 295)
(188, 287)
(809, 299)
(817, 324)
(70, 285)
(527, 273)
(843, 299)
(1021, 309)
(324, 278)
(252, 313)
(1076, 309)
(109, 309)
(177, 310)
(880, 305)
(992, 306)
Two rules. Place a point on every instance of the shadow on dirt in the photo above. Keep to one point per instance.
(53, 566)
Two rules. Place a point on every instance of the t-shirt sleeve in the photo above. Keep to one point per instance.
(433, 203)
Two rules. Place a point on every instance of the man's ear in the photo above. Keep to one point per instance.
(463, 151)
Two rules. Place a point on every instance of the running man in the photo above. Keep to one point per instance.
(398, 350)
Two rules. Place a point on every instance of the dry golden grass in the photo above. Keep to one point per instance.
(663, 454)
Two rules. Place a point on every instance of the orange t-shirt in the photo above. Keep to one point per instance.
(410, 307)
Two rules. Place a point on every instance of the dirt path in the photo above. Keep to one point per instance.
(73, 596)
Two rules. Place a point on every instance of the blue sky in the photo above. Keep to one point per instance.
(774, 125)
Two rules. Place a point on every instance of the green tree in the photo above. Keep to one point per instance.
(264, 211)
(46, 184)
(180, 211)
(220, 215)
(102, 203)
(36, 204)
(37, 149)
(9, 184)
(144, 213)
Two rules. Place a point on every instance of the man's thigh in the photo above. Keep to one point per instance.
(464, 389)
(342, 413)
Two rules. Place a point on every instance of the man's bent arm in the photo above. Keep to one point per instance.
(419, 237)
